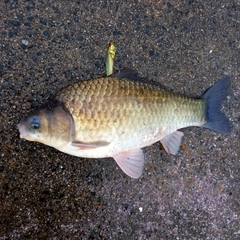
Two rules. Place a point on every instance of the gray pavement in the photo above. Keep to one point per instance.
(185, 45)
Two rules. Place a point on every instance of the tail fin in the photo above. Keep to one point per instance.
(214, 96)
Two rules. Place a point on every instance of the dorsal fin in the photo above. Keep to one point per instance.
(128, 73)
(132, 75)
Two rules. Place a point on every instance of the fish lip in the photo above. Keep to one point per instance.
(22, 130)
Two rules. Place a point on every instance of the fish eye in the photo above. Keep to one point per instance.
(35, 123)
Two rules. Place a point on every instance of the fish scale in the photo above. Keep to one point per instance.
(123, 104)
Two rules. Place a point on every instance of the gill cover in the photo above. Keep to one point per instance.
(50, 121)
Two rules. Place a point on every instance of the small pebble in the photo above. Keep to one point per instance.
(25, 42)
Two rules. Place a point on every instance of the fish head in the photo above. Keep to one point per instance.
(51, 124)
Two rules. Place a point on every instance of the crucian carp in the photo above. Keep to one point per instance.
(117, 116)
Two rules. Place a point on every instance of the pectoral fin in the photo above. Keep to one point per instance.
(131, 162)
(90, 145)
(172, 142)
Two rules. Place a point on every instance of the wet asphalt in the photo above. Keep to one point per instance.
(187, 46)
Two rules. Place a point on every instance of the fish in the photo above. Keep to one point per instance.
(110, 56)
(119, 115)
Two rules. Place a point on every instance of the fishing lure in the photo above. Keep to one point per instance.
(110, 56)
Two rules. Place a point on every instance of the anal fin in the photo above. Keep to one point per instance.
(172, 142)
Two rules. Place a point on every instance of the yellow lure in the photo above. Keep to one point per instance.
(110, 56)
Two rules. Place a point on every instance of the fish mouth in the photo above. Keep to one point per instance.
(22, 130)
